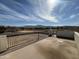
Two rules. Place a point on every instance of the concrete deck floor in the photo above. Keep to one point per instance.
(49, 48)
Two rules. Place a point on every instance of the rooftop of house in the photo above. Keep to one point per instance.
(49, 48)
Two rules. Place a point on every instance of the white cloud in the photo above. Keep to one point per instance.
(52, 4)
(14, 13)
(63, 6)
(72, 16)
(49, 18)
(44, 8)
(5, 17)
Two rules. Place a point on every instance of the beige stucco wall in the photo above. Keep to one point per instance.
(76, 36)
(65, 34)
(3, 43)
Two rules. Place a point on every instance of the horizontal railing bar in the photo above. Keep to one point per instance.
(18, 34)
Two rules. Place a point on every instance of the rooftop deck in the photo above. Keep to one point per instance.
(49, 48)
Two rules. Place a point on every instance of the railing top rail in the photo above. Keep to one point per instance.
(26, 33)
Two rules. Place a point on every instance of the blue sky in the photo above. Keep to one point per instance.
(39, 12)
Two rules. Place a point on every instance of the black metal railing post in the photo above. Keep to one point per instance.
(38, 35)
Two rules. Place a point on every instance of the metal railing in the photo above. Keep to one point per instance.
(16, 39)
(25, 38)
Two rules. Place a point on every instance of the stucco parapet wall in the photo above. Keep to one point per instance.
(76, 37)
(65, 34)
(3, 43)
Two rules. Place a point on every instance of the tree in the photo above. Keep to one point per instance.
(2, 29)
